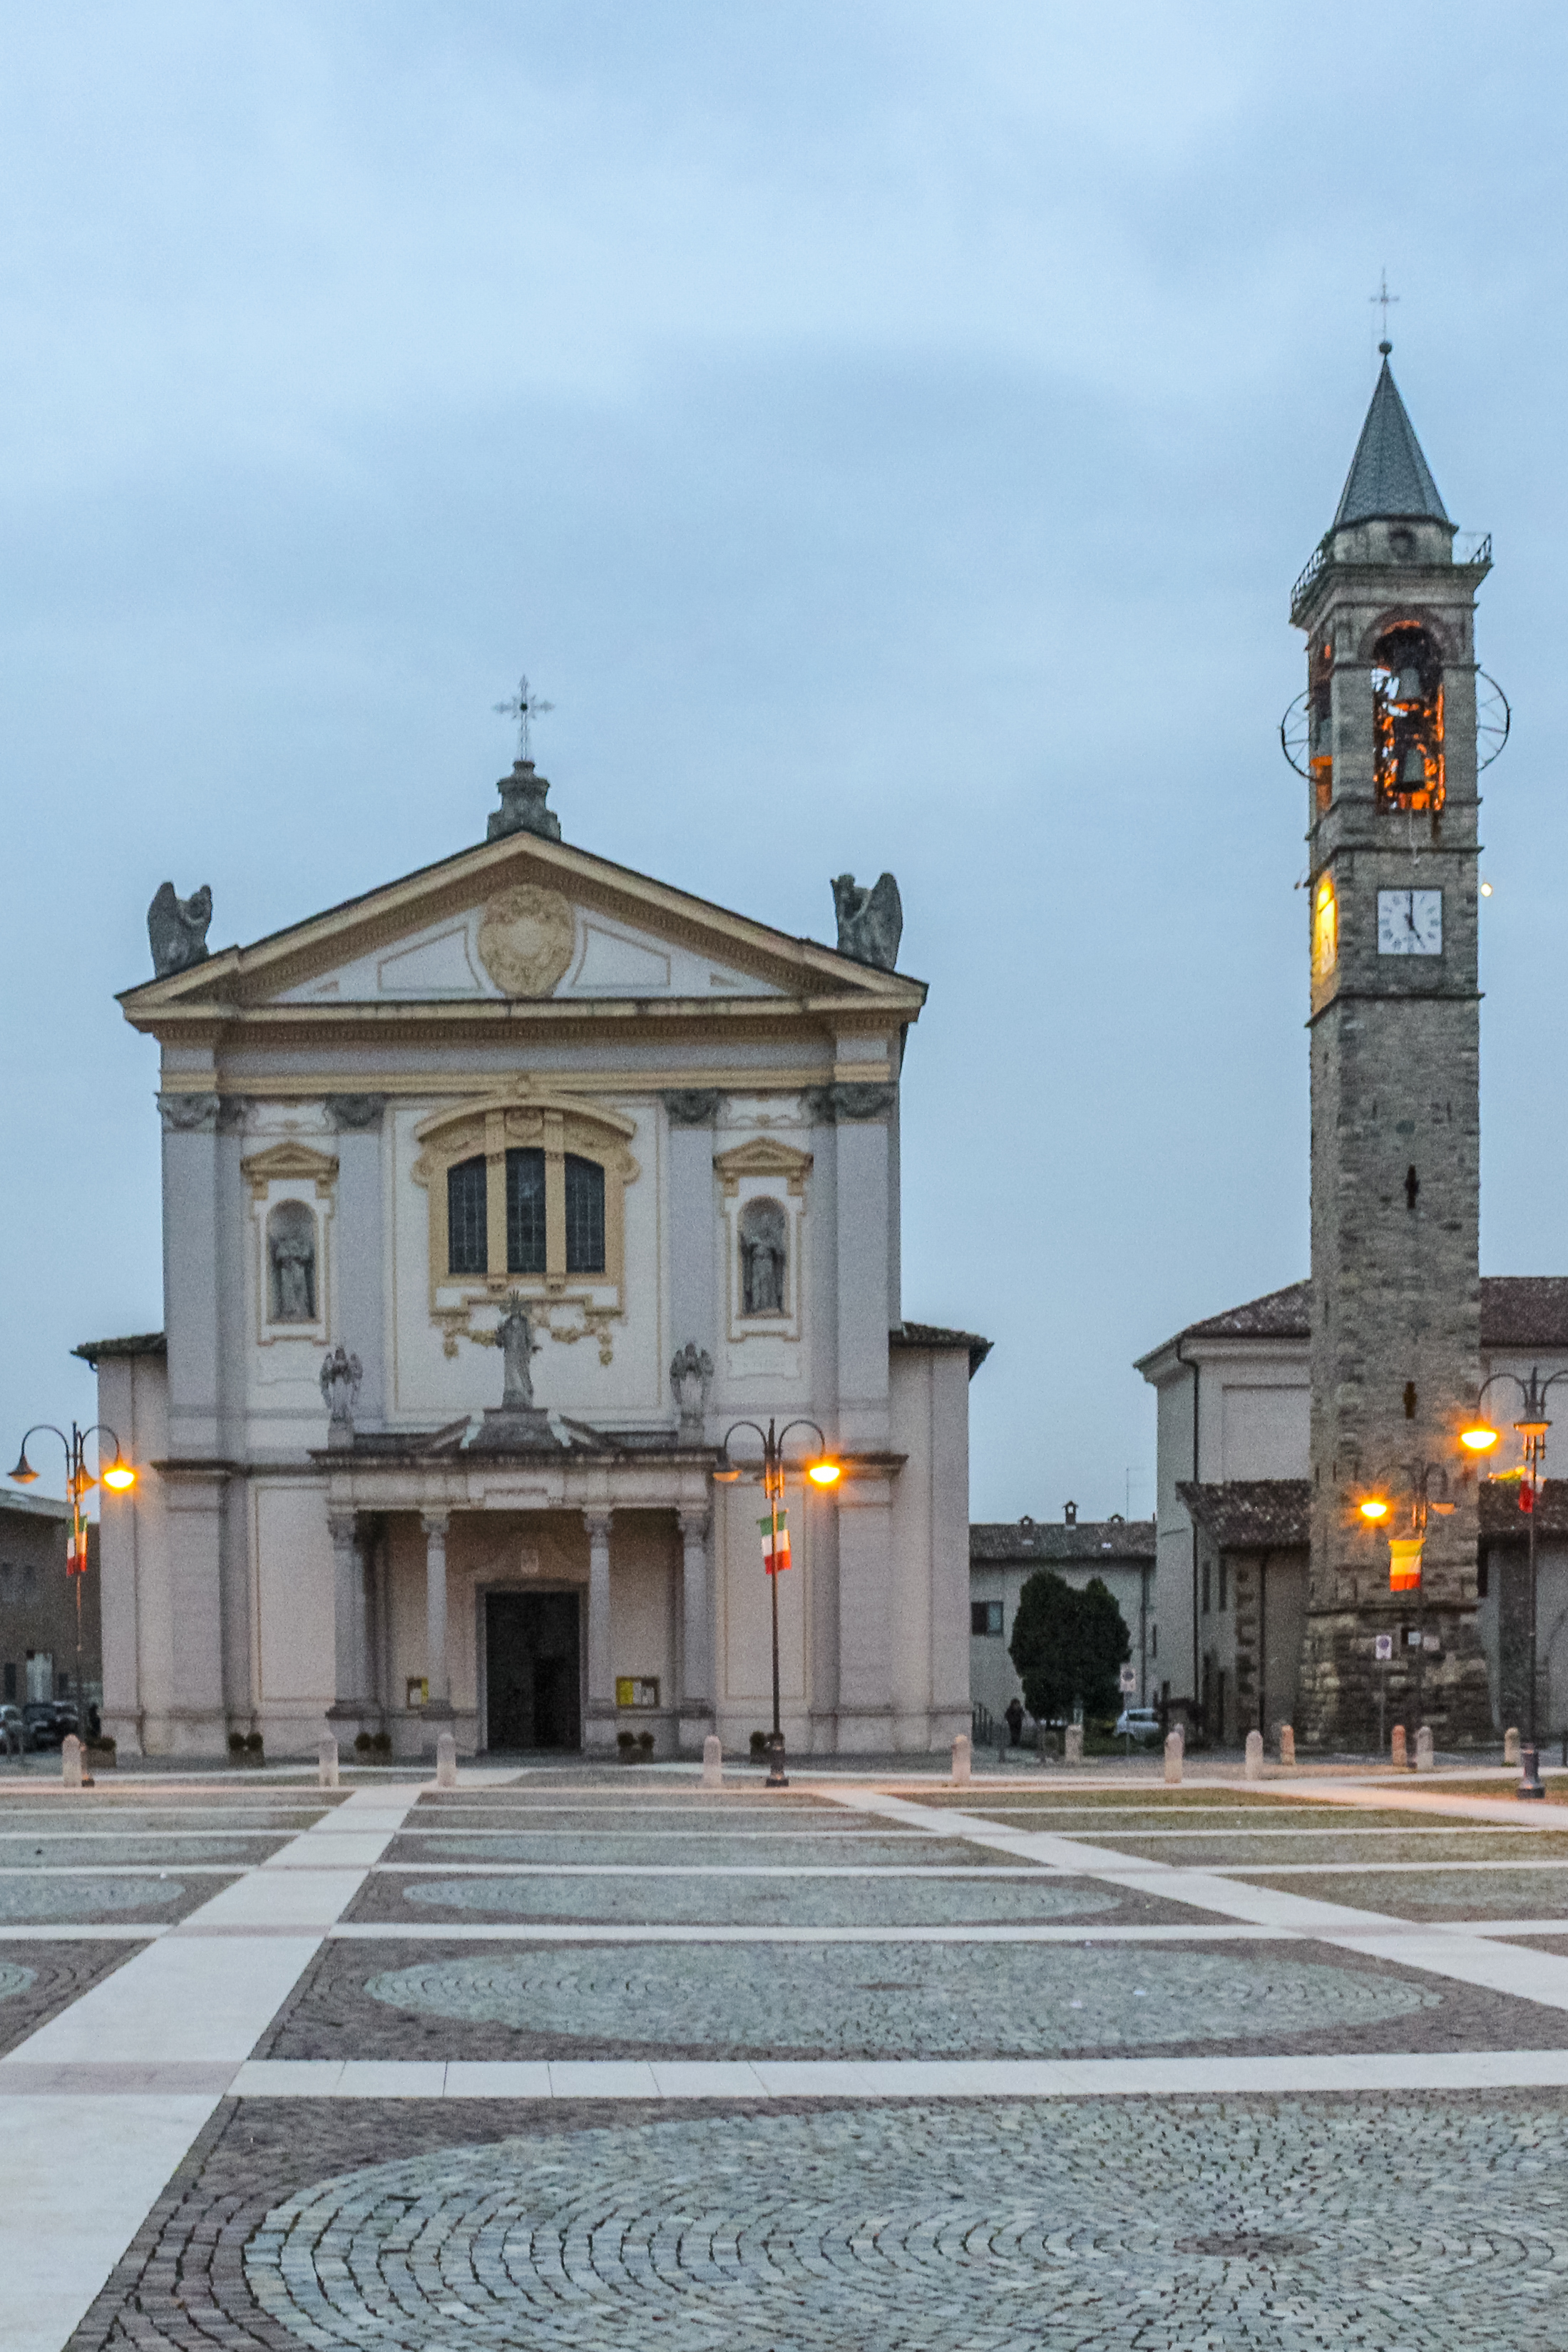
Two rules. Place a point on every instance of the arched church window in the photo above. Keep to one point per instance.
(466, 1217)
(524, 1211)
(584, 1215)
(764, 1258)
(1408, 719)
(291, 1263)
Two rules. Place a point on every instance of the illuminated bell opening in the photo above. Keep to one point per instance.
(1413, 770)
(1407, 686)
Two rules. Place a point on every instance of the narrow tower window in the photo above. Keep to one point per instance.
(1412, 1186)
(1409, 1400)
(1407, 719)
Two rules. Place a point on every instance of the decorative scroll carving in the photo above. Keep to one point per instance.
(692, 1105)
(526, 939)
(189, 1114)
(356, 1114)
(850, 1099)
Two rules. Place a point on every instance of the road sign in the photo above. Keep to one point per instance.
(1129, 1681)
(1383, 1648)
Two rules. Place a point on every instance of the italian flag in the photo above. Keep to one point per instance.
(771, 1555)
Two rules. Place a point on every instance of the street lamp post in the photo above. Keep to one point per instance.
(118, 1477)
(823, 1471)
(1533, 1425)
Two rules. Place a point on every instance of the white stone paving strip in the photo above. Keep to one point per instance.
(167, 2031)
(912, 2078)
(1539, 1976)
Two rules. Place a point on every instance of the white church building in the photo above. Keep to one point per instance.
(492, 1200)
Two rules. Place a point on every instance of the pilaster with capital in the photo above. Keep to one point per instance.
(696, 1625)
(600, 1726)
(439, 1703)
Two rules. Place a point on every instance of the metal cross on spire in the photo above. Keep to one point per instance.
(1384, 300)
(524, 707)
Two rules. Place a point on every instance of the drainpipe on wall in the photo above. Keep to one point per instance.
(1193, 1369)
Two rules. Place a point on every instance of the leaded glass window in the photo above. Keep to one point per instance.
(526, 1212)
(465, 1226)
(584, 1215)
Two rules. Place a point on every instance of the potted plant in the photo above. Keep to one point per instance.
(645, 1742)
(627, 1743)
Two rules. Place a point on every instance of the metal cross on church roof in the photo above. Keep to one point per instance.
(1384, 297)
(524, 706)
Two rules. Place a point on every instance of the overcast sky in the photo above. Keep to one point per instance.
(888, 434)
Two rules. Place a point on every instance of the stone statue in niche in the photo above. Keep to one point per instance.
(291, 1263)
(691, 1377)
(871, 922)
(515, 1338)
(764, 1258)
(177, 930)
(341, 1376)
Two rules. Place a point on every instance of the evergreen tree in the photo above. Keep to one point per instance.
(1067, 1646)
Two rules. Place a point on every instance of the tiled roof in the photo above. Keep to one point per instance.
(1517, 1311)
(1052, 1542)
(1277, 1315)
(1251, 1514)
(141, 1343)
(1502, 1521)
(1389, 479)
(933, 1335)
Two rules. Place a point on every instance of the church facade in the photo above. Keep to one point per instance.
(493, 1201)
(1279, 1420)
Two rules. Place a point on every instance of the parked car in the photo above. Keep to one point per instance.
(45, 1722)
(1138, 1723)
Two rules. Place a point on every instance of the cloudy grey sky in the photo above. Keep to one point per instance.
(888, 430)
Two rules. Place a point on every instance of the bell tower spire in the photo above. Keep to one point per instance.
(1389, 619)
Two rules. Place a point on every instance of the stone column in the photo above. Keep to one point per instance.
(348, 1624)
(599, 1729)
(439, 1703)
(697, 1611)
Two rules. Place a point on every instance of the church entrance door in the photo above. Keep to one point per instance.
(532, 1679)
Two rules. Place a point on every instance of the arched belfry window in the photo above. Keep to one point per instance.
(291, 1275)
(1408, 719)
(764, 1258)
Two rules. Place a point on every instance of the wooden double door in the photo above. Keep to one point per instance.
(533, 1670)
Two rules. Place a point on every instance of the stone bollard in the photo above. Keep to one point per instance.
(1072, 1744)
(1254, 1756)
(1511, 1746)
(327, 1761)
(1173, 1758)
(1424, 1749)
(70, 1760)
(961, 1760)
(1287, 1743)
(446, 1761)
(1396, 1747)
(713, 1762)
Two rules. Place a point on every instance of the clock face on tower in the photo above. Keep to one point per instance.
(1410, 922)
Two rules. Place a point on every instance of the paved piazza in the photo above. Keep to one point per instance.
(594, 2058)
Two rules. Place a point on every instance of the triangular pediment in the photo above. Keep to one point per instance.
(519, 919)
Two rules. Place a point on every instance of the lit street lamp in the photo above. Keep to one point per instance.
(822, 1471)
(118, 1477)
(1533, 1425)
(1419, 1479)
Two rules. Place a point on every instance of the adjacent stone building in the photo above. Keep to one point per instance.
(492, 1200)
(1004, 1554)
(38, 1605)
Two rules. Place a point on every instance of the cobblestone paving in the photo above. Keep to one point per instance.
(963, 1900)
(79, 1853)
(1415, 2226)
(767, 1850)
(918, 2002)
(1435, 1894)
(1255, 1849)
(39, 1900)
(55, 1974)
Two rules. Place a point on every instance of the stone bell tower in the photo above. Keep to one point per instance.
(1391, 753)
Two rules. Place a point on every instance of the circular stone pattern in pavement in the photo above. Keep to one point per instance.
(928, 2001)
(775, 1850)
(960, 1900)
(907, 2228)
(13, 1979)
(78, 1898)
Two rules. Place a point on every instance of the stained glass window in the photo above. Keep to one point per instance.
(584, 1215)
(526, 1212)
(466, 1243)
